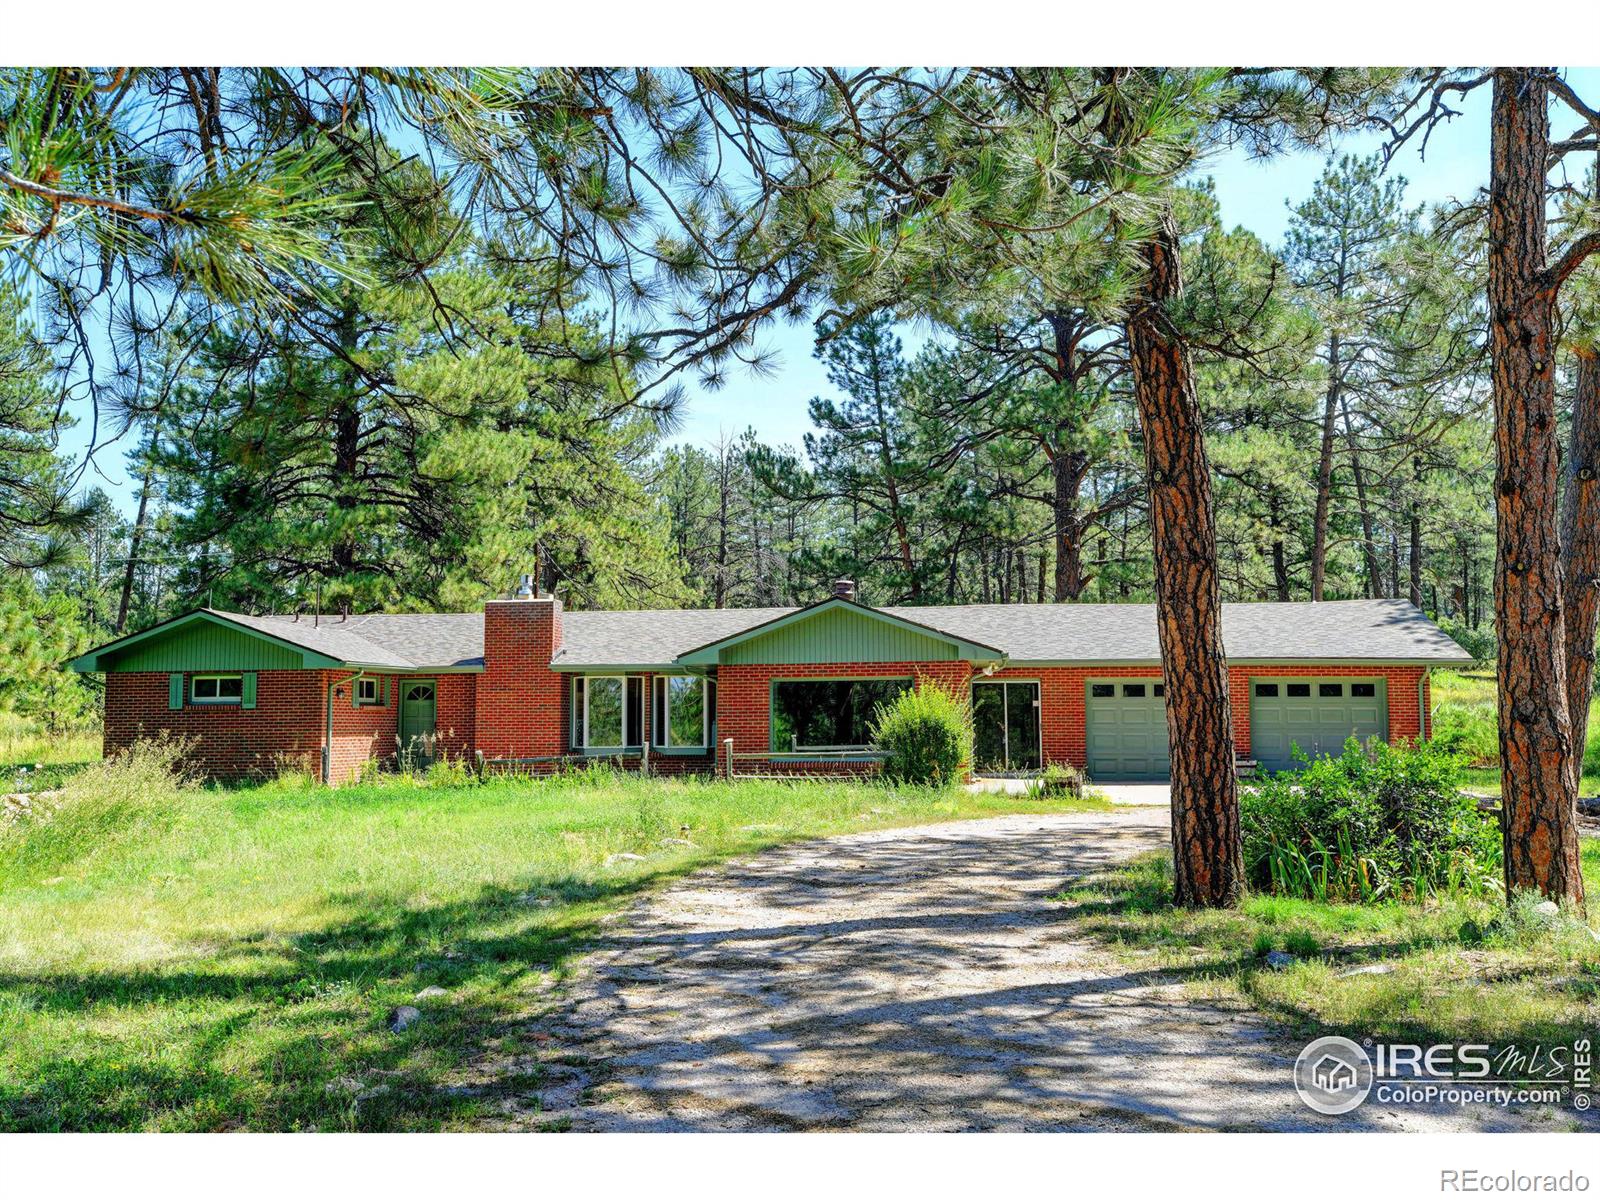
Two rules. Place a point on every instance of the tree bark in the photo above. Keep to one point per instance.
(1369, 542)
(1415, 556)
(1280, 564)
(135, 545)
(1207, 858)
(1540, 813)
(1068, 469)
(1580, 552)
(1319, 518)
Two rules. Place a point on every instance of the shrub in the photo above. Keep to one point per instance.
(1375, 822)
(925, 734)
(1479, 642)
(132, 796)
(1057, 779)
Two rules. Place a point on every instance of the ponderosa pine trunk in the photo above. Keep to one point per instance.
(1537, 784)
(1580, 551)
(1068, 468)
(1280, 561)
(1369, 543)
(1324, 500)
(1207, 858)
(135, 546)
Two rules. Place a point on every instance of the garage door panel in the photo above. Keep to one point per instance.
(1126, 733)
(1319, 724)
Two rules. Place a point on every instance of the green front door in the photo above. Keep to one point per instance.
(1317, 715)
(1125, 728)
(417, 706)
(1005, 720)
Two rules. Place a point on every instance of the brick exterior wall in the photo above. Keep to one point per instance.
(520, 703)
(744, 695)
(1062, 695)
(517, 707)
(230, 742)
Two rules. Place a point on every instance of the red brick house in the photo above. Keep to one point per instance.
(672, 690)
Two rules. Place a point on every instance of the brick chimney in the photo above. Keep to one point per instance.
(521, 702)
(844, 589)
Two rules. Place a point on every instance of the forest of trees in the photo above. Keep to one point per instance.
(383, 339)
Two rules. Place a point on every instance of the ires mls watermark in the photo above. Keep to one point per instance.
(1334, 1075)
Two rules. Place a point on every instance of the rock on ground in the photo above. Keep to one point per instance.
(912, 979)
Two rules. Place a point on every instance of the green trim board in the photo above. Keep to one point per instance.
(838, 630)
(200, 641)
(1091, 664)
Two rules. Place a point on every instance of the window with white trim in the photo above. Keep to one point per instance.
(216, 689)
(367, 692)
(607, 712)
(681, 718)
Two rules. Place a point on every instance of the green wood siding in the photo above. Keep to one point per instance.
(839, 635)
(203, 646)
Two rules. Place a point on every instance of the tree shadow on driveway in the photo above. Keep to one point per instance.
(918, 979)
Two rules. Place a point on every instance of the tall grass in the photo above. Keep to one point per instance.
(1465, 721)
(197, 958)
(32, 758)
(127, 799)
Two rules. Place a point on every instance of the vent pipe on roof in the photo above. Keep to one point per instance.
(844, 589)
(524, 587)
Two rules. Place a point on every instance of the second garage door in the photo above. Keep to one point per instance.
(1126, 730)
(1316, 715)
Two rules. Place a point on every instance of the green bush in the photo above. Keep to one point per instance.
(925, 734)
(1478, 642)
(1376, 822)
(1057, 779)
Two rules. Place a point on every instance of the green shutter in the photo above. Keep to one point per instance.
(249, 689)
(387, 695)
(175, 690)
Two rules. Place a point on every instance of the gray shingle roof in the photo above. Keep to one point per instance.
(1377, 630)
(622, 639)
(405, 640)
(1369, 630)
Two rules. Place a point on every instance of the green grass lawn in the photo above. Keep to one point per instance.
(226, 959)
(1451, 969)
(1464, 710)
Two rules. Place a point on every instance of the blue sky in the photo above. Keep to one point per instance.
(1254, 193)
(1257, 194)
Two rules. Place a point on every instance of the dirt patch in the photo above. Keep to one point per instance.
(914, 979)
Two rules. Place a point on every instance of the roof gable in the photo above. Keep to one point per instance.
(201, 641)
(838, 630)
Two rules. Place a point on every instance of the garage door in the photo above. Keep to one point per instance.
(1315, 714)
(1126, 727)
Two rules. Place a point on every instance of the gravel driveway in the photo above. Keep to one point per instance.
(912, 979)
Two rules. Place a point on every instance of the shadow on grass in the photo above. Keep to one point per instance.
(1132, 907)
(289, 1030)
